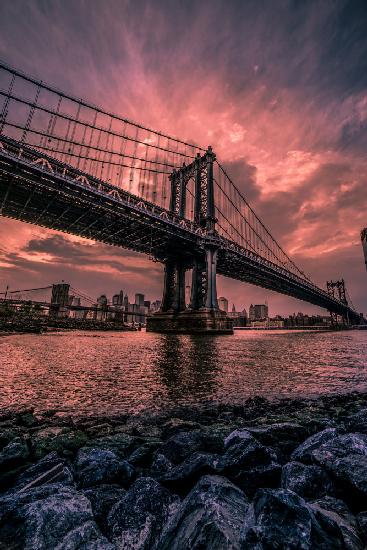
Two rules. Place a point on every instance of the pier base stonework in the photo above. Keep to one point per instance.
(190, 322)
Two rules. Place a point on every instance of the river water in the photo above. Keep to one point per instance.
(128, 372)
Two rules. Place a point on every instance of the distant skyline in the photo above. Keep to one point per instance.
(279, 89)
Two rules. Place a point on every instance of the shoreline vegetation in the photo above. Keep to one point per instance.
(266, 474)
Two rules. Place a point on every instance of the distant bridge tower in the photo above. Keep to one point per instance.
(364, 244)
(336, 289)
(60, 300)
(203, 313)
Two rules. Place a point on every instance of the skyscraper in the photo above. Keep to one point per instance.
(223, 304)
(118, 299)
(139, 299)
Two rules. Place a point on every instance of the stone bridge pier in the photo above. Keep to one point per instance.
(202, 314)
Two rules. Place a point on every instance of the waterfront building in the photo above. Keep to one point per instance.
(276, 322)
(223, 304)
(258, 312)
(234, 314)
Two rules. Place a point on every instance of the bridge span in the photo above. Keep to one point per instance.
(96, 175)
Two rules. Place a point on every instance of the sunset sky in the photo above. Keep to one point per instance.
(278, 88)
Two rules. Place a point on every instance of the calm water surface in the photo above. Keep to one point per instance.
(108, 373)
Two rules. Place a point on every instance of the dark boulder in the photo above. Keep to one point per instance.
(210, 518)
(335, 518)
(13, 461)
(181, 478)
(212, 439)
(46, 470)
(345, 459)
(237, 436)
(252, 479)
(120, 443)
(356, 423)
(135, 521)
(160, 465)
(48, 517)
(243, 451)
(308, 481)
(14, 454)
(304, 451)
(181, 445)
(176, 425)
(8, 433)
(362, 523)
(280, 519)
(95, 466)
(26, 418)
(284, 436)
(102, 499)
(142, 456)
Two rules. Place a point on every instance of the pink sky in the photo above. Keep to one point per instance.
(280, 94)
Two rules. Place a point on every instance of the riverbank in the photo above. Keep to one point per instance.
(264, 474)
(42, 325)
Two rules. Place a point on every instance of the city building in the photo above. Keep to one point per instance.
(139, 299)
(239, 318)
(258, 312)
(223, 304)
(118, 299)
(102, 300)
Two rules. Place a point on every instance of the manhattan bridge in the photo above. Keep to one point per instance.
(71, 166)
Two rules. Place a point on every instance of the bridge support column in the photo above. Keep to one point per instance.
(203, 315)
(198, 285)
(168, 286)
(211, 301)
(179, 293)
(59, 300)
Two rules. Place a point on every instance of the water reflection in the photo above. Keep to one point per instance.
(112, 373)
(187, 366)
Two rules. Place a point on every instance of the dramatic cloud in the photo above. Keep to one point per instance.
(279, 89)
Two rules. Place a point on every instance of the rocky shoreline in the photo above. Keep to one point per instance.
(290, 474)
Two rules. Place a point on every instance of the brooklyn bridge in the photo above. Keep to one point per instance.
(71, 166)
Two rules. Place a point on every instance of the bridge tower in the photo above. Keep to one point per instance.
(336, 289)
(202, 314)
(59, 300)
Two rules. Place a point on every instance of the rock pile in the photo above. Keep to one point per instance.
(228, 480)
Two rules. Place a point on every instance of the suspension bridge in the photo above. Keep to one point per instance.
(69, 165)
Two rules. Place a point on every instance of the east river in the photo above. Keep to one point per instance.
(111, 373)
